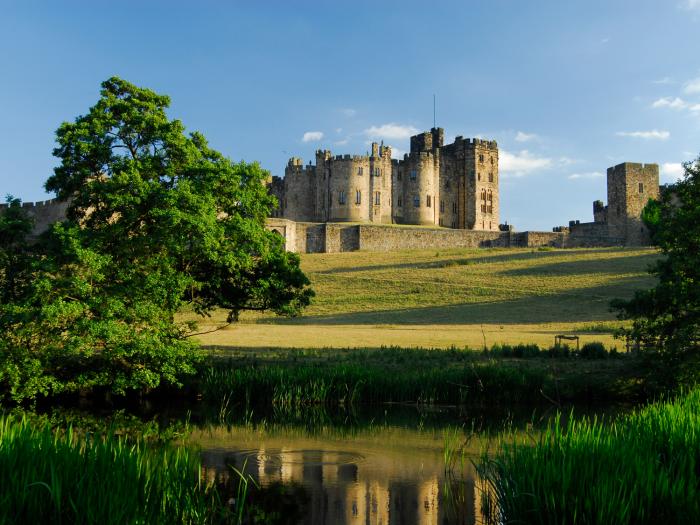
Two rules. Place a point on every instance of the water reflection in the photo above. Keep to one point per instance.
(387, 476)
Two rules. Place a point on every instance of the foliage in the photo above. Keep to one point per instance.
(667, 317)
(157, 220)
(49, 477)
(641, 468)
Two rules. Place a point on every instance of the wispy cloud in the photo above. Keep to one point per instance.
(670, 102)
(653, 134)
(522, 163)
(348, 112)
(340, 142)
(521, 136)
(691, 4)
(692, 86)
(390, 131)
(588, 175)
(671, 171)
(312, 136)
(664, 80)
(605, 40)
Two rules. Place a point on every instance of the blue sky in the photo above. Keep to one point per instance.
(566, 88)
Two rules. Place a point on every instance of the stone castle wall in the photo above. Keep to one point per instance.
(43, 213)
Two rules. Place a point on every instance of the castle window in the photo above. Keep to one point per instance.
(359, 170)
(489, 196)
(377, 198)
(440, 222)
(399, 202)
(641, 187)
(442, 207)
(413, 174)
(481, 158)
(490, 177)
(358, 197)
(341, 197)
(416, 201)
(427, 201)
(454, 208)
(491, 161)
(478, 176)
(454, 223)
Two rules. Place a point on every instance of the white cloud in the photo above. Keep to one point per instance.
(390, 131)
(665, 80)
(340, 142)
(521, 163)
(312, 136)
(692, 86)
(605, 40)
(397, 153)
(588, 175)
(691, 4)
(671, 171)
(521, 136)
(348, 112)
(647, 135)
(338, 130)
(669, 102)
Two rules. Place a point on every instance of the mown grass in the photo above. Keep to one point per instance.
(503, 374)
(641, 468)
(66, 477)
(446, 297)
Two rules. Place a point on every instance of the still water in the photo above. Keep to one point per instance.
(387, 472)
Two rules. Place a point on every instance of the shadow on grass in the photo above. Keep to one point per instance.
(629, 263)
(578, 305)
(482, 257)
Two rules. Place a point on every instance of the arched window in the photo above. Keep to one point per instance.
(358, 197)
(341, 197)
(416, 201)
(427, 201)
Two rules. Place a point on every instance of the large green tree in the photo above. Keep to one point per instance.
(157, 221)
(667, 317)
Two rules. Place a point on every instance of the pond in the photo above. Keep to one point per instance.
(382, 467)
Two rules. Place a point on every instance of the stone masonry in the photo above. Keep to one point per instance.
(454, 185)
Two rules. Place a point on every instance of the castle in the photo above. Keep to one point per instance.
(630, 186)
(437, 196)
(454, 185)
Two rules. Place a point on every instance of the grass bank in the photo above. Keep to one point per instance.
(641, 468)
(455, 297)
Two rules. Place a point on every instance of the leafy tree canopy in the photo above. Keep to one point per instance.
(667, 317)
(157, 221)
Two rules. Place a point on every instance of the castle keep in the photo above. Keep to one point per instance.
(454, 185)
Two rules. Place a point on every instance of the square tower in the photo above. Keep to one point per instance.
(630, 186)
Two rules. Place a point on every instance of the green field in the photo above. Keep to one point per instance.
(461, 297)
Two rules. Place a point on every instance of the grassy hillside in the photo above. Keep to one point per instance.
(452, 297)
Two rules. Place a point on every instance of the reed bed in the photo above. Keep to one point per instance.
(356, 384)
(67, 477)
(641, 468)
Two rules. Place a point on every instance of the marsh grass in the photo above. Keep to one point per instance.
(641, 468)
(412, 376)
(72, 478)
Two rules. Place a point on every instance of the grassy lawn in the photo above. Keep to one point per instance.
(461, 297)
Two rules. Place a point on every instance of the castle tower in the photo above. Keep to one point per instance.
(299, 196)
(418, 177)
(630, 186)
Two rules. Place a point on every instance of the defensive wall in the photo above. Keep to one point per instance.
(309, 237)
(43, 213)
